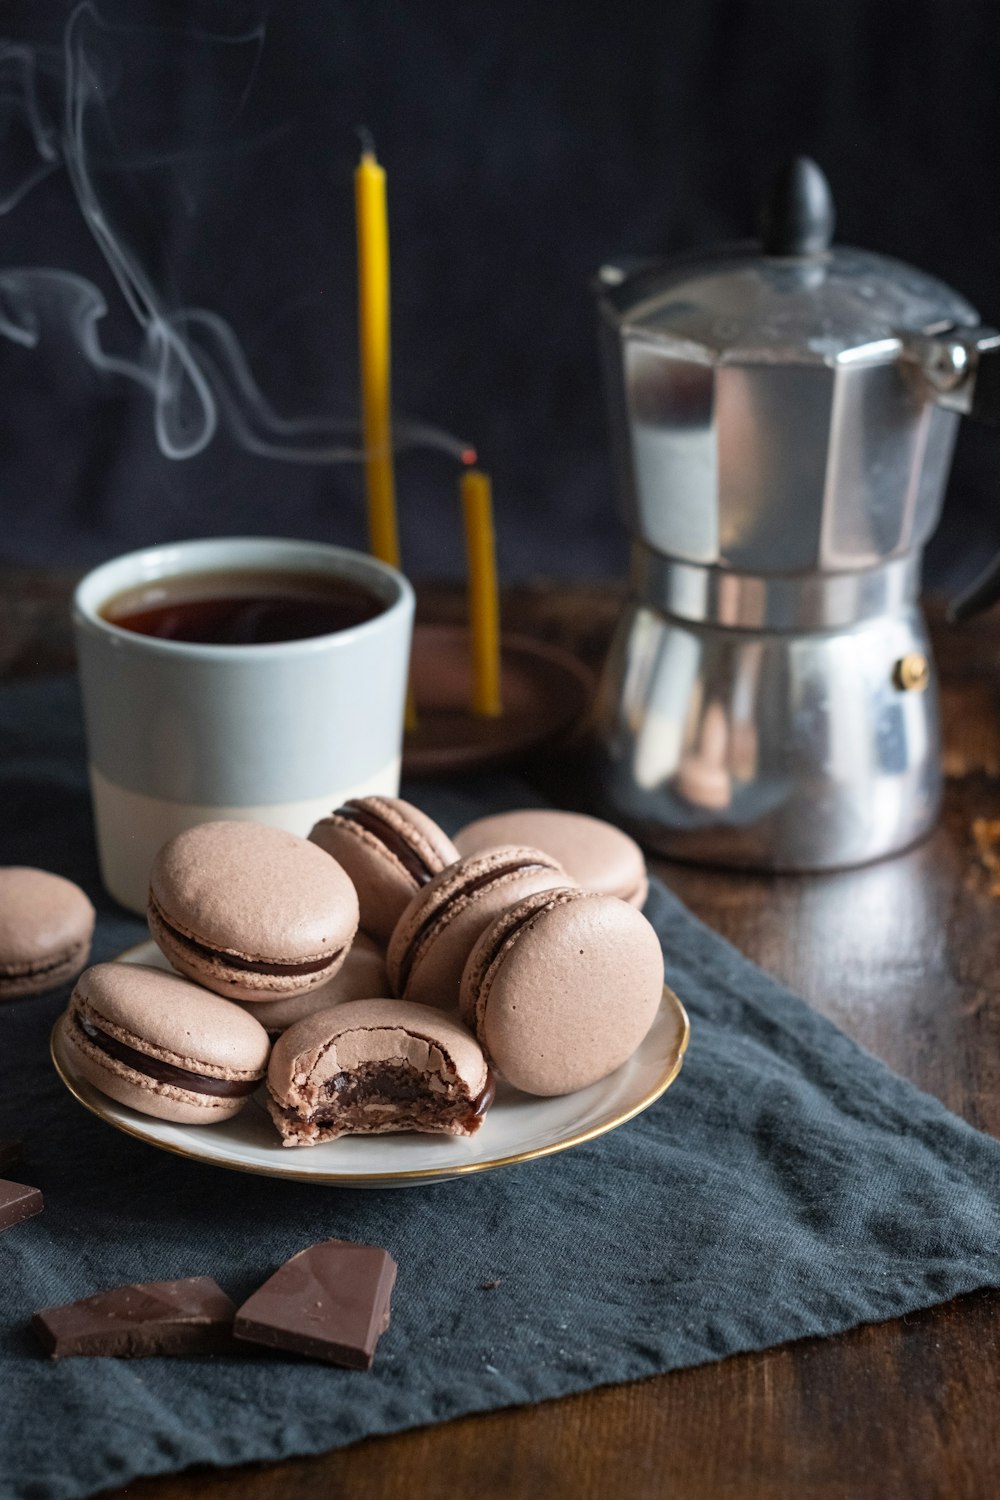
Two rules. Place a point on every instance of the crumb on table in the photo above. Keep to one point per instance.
(986, 832)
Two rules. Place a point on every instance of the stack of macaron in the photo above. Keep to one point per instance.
(398, 971)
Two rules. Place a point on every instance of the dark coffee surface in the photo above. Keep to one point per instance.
(242, 609)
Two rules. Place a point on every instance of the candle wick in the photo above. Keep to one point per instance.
(469, 456)
(366, 139)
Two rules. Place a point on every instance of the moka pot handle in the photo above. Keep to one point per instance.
(958, 366)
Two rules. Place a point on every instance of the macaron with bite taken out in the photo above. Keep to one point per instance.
(375, 1066)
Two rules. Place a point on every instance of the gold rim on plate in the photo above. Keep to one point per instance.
(98, 1107)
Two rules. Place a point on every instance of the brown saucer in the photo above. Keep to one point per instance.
(546, 693)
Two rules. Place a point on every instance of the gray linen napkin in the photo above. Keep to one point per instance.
(787, 1185)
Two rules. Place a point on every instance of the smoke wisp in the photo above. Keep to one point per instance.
(188, 359)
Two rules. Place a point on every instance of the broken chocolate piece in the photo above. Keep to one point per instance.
(18, 1202)
(9, 1153)
(191, 1316)
(330, 1302)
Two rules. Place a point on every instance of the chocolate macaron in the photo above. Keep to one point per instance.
(46, 924)
(162, 1045)
(376, 1066)
(360, 976)
(562, 988)
(251, 911)
(390, 849)
(599, 856)
(439, 928)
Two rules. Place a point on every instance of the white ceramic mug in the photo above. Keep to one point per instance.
(179, 733)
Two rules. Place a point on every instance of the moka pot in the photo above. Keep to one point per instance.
(783, 417)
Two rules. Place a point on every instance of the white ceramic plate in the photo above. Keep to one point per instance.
(517, 1128)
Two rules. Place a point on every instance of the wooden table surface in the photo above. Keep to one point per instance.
(904, 956)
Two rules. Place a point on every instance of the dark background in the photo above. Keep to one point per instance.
(525, 144)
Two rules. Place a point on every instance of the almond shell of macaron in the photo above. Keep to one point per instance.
(256, 894)
(599, 856)
(562, 991)
(439, 928)
(165, 1017)
(385, 880)
(46, 926)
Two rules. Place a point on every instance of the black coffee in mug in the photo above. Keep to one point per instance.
(245, 608)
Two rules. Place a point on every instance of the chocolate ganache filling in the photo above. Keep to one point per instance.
(234, 961)
(413, 863)
(394, 1083)
(488, 878)
(164, 1072)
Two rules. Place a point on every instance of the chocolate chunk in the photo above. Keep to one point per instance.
(18, 1202)
(192, 1316)
(330, 1302)
(9, 1153)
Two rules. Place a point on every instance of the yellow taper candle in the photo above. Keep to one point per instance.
(374, 354)
(373, 344)
(484, 603)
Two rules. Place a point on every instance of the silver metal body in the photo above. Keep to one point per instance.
(782, 453)
(773, 748)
